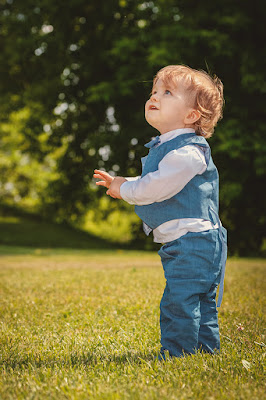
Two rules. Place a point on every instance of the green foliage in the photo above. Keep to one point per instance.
(110, 222)
(86, 326)
(82, 71)
(25, 175)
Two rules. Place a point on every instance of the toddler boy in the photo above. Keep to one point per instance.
(177, 198)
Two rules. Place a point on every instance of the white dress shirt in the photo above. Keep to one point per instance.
(175, 170)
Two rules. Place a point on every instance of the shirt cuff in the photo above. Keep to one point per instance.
(132, 178)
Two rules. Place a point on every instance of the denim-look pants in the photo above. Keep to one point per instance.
(189, 317)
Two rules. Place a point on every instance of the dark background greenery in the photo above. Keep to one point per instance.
(74, 78)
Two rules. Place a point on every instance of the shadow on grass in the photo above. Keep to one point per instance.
(25, 232)
(76, 359)
(19, 228)
(22, 232)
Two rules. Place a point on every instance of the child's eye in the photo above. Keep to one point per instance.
(167, 91)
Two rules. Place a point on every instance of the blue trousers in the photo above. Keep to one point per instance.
(188, 313)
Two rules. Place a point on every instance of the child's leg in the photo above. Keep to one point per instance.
(190, 272)
(209, 338)
(179, 319)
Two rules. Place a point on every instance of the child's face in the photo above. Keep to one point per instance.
(167, 107)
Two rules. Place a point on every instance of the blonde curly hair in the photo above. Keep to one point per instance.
(204, 93)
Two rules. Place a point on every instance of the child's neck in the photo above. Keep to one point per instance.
(190, 128)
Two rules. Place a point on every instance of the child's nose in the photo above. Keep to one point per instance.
(154, 97)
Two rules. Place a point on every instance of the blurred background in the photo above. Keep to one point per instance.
(74, 79)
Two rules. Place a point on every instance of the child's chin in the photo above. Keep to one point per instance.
(152, 123)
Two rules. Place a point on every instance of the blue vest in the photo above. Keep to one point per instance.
(198, 199)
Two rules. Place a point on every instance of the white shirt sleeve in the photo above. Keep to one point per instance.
(175, 170)
(132, 178)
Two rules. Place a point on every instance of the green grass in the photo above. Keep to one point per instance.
(85, 325)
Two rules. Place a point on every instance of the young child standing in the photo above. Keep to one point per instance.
(177, 199)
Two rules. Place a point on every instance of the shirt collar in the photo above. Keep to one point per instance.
(173, 134)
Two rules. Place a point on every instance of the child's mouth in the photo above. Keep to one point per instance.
(153, 108)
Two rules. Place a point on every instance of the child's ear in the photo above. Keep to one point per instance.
(192, 117)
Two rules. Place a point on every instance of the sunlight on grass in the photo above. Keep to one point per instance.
(85, 325)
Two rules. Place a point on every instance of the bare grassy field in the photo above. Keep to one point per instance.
(85, 325)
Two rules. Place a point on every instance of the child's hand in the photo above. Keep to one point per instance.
(108, 181)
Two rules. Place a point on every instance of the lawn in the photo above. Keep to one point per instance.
(84, 324)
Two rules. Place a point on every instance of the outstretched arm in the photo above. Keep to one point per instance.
(111, 183)
(174, 171)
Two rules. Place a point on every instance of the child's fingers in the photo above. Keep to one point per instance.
(109, 194)
(97, 176)
(102, 174)
(101, 183)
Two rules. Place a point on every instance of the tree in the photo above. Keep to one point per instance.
(85, 70)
